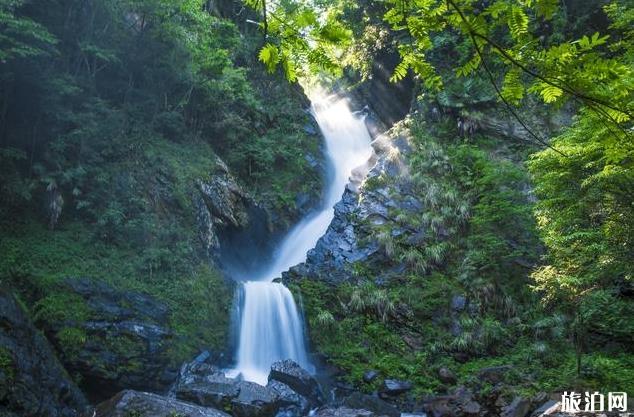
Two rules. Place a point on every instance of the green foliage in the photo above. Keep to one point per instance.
(71, 339)
(118, 89)
(479, 236)
(530, 42)
(7, 364)
(585, 219)
(129, 103)
(38, 260)
(61, 308)
(20, 36)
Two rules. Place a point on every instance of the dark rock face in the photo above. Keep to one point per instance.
(299, 380)
(460, 402)
(32, 381)
(229, 217)
(133, 403)
(351, 236)
(126, 340)
(464, 402)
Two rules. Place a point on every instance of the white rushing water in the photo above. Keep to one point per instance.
(270, 323)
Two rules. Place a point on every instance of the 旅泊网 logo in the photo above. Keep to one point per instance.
(574, 402)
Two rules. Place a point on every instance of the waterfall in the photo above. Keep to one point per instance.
(270, 325)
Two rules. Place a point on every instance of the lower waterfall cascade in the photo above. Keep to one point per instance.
(270, 326)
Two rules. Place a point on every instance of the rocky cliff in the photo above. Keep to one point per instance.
(32, 380)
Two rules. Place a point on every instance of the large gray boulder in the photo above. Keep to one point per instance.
(255, 400)
(290, 401)
(298, 379)
(208, 386)
(33, 383)
(212, 390)
(134, 403)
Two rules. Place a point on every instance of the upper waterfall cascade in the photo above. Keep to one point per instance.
(270, 324)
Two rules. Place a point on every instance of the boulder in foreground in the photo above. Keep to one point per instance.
(134, 403)
(298, 379)
(207, 386)
(343, 412)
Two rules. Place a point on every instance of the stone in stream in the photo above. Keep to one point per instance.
(134, 403)
(255, 400)
(207, 386)
(212, 390)
(297, 378)
(290, 401)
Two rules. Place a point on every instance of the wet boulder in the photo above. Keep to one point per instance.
(134, 403)
(33, 383)
(254, 400)
(208, 386)
(298, 379)
(291, 402)
(212, 390)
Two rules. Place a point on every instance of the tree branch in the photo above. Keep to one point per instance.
(497, 89)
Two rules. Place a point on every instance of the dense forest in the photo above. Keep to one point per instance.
(155, 153)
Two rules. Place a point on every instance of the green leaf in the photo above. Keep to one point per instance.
(513, 89)
(550, 93)
(270, 56)
(517, 22)
(400, 72)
